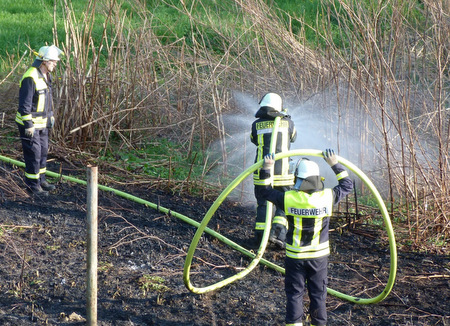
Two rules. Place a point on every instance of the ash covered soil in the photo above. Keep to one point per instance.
(141, 258)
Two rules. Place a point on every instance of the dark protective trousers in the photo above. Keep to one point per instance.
(313, 274)
(35, 150)
(262, 207)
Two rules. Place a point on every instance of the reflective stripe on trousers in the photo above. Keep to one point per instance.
(35, 150)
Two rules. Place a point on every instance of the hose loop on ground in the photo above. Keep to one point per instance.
(202, 227)
(246, 173)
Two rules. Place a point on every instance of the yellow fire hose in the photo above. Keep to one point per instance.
(245, 174)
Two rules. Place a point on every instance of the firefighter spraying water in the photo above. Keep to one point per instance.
(271, 107)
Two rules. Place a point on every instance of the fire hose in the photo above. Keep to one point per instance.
(247, 172)
(257, 258)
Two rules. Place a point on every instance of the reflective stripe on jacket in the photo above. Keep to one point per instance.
(261, 135)
(308, 238)
(34, 109)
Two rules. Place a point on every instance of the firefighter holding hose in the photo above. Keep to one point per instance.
(270, 107)
(308, 207)
(34, 118)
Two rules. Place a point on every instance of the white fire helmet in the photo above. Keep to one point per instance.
(306, 168)
(272, 100)
(47, 53)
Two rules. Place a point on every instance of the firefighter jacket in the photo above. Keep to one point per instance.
(308, 214)
(261, 135)
(35, 100)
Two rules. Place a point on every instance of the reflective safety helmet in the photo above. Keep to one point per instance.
(47, 53)
(272, 100)
(305, 169)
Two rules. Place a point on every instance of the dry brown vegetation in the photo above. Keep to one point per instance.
(385, 84)
(387, 80)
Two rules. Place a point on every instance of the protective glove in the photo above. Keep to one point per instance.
(29, 132)
(52, 122)
(269, 161)
(330, 157)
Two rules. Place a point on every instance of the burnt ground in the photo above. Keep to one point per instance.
(141, 258)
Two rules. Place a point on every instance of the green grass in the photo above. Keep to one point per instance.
(148, 283)
(10, 138)
(314, 12)
(19, 26)
(301, 10)
(162, 159)
(31, 22)
(28, 22)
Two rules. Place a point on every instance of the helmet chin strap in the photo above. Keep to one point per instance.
(44, 69)
(298, 183)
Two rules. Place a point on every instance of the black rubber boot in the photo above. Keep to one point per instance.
(278, 235)
(47, 186)
(37, 192)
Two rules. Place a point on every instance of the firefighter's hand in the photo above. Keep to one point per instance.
(52, 122)
(330, 157)
(29, 132)
(269, 161)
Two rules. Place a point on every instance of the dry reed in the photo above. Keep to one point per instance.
(389, 81)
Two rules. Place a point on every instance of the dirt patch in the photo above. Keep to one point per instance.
(141, 258)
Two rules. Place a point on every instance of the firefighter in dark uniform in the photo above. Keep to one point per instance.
(308, 208)
(35, 117)
(271, 107)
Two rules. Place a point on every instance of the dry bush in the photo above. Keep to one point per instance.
(398, 76)
(389, 83)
